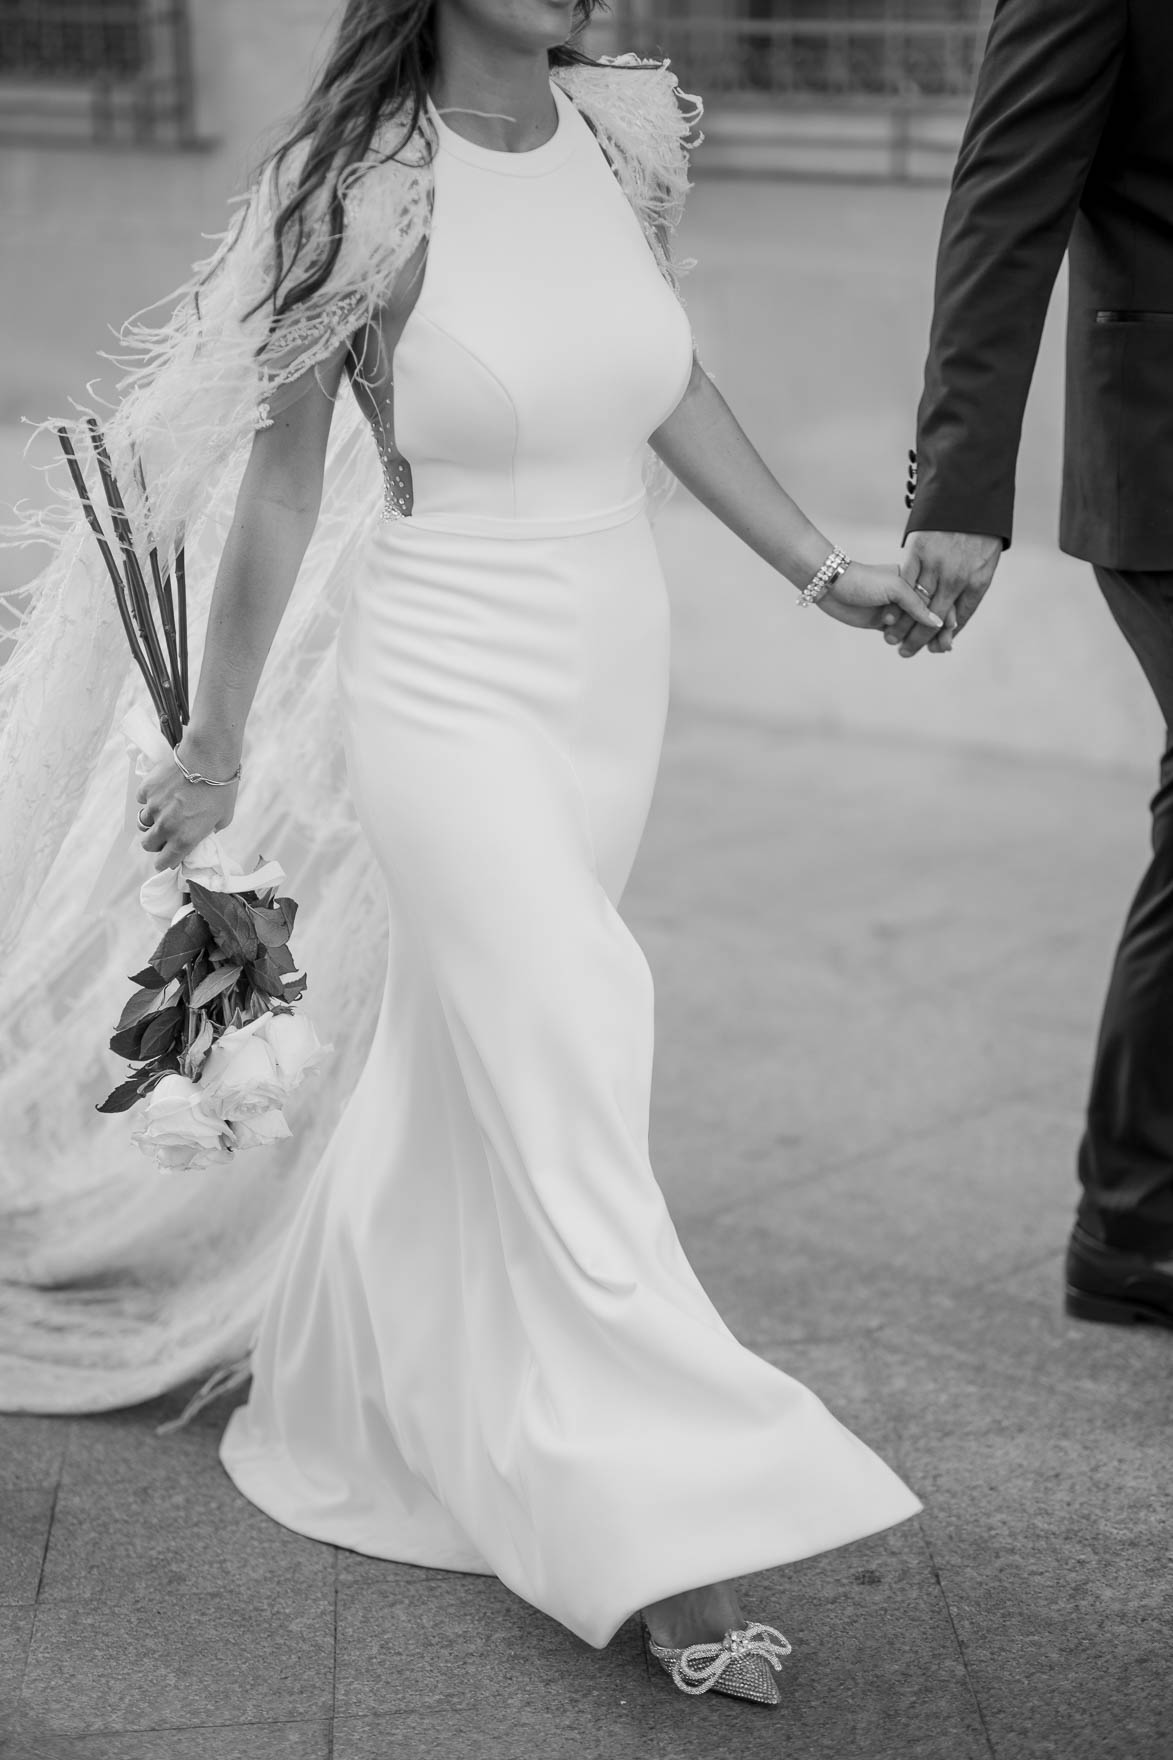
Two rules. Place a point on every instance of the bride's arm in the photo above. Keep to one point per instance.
(276, 511)
(704, 445)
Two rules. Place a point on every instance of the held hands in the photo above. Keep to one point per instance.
(866, 597)
(174, 814)
(951, 572)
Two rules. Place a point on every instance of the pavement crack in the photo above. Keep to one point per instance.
(61, 1466)
(48, 1539)
(969, 1681)
(333, 1665)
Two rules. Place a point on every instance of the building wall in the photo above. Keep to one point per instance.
(93, 235)
(839, 95)
(960, 10)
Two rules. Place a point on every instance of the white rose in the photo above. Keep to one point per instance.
(177, 1130)
(211, 867)
(161, 896)
(259, 1129)
(239, 1076)
(294, 1044)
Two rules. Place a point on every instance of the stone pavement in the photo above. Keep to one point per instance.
(878, 970)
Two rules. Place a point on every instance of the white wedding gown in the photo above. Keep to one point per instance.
(485, 1349)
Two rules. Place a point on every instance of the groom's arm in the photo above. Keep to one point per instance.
(1043, 96)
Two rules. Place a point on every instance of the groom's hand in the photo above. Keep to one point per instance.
(952, 570)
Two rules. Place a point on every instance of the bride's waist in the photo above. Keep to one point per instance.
(395, 527)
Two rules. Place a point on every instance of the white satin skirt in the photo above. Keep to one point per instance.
(485, 1349)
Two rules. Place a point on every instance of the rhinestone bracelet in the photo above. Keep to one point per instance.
(836, 565)
(209, 781)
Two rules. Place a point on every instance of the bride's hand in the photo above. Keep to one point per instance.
(863, 592)
(181, 813)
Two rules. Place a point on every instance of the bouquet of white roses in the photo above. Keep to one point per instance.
(211, 1026)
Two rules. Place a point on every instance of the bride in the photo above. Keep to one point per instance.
(475, 1341)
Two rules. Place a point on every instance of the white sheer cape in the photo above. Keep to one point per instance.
(118, 1282)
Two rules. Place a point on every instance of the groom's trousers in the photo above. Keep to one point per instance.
(1126, 1156)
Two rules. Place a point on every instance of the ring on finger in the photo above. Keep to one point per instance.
(144, 824)
(925, 594)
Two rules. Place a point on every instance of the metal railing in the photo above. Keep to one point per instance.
(115, 72)
(841, 61)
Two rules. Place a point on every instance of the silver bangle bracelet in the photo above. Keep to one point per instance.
(208, 781)
(836, 565)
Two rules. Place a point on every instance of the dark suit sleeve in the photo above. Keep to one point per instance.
(1043, 96)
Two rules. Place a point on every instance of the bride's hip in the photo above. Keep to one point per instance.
(532, 618)
(503, 565)
(472, 671)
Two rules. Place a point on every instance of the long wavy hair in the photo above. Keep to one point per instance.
(382, 57)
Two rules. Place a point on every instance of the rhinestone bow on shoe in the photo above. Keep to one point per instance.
(739, 1665)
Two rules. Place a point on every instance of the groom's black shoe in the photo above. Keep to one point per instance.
(1117, 1285)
